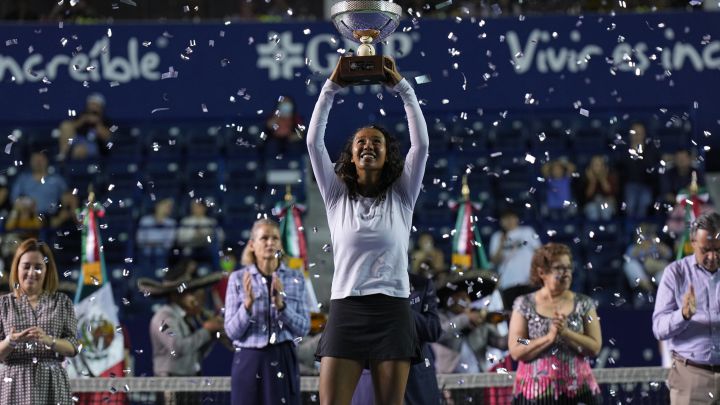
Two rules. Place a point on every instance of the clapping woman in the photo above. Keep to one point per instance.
(37, 330)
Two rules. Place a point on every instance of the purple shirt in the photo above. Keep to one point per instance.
(256, 329)
(697, 339)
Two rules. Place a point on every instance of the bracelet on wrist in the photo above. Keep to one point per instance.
(52, 344)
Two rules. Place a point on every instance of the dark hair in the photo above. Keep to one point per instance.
(346, 171)
(509, 211)
(709, 221)
(543, 258)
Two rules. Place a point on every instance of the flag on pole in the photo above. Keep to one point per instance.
(102, 350)
(467, 248)
(293, 240)
(692, 201)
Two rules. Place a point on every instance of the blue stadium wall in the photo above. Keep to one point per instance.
(595, 66)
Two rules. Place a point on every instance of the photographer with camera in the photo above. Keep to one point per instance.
(87, 136)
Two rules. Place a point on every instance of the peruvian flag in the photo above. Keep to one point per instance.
(294, 243)
(99, 331)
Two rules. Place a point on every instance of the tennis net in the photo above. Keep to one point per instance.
(640, 385)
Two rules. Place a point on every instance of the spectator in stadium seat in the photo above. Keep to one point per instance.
(22, 223)
(645, 260)
(427, 259)
(679, 176)
(66, 216)
(559, 188)
(155, 236)
(600, 190)
(284, 128)
(552, 331)
(511, 250)
(369, 194)
(422, 385)
(266, 312)
(87, 136)
(179, 343)
(40, 185)
(37, 330)
(199, 234)
(686, 316)
(637, 166)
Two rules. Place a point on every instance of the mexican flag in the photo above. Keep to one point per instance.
(693, 201)
(102, 351)
(294, 243)
(467, 249)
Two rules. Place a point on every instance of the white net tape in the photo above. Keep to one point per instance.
(310, 384)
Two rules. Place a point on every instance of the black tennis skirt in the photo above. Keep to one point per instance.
(370, 327)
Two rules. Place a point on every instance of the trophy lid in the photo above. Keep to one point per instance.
(357, 15)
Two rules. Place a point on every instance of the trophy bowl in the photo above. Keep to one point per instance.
(365, 23)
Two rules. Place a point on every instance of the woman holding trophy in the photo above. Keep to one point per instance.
(369, 195)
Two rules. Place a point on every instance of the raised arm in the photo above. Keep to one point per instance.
(411, 179)
(322, 166)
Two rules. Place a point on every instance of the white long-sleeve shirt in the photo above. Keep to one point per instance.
(369, 237)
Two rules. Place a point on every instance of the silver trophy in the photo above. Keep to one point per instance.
(364, 22)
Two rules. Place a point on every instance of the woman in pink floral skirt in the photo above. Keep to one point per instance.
(553, 331)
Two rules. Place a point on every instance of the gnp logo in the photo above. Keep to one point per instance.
(283, 56)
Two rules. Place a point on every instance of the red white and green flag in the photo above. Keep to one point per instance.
(693, 201)
(467, 248)
(103, 349)
(294, 243)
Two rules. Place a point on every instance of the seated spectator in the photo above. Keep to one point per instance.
(679, 176)
(40, 185)
(198, 233)
(22, 223)
(283, 128)
(427, 260)
(637, 166)
(23, 219)
(511, 250)
(66, 217)
(600, 188)
(87, 136)
(645, 261)
(66, 225)
(558, 181)
(155, 237)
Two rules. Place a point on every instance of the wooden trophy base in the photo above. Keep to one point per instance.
(359, 70)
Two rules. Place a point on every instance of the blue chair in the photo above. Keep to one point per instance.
(164, 143)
